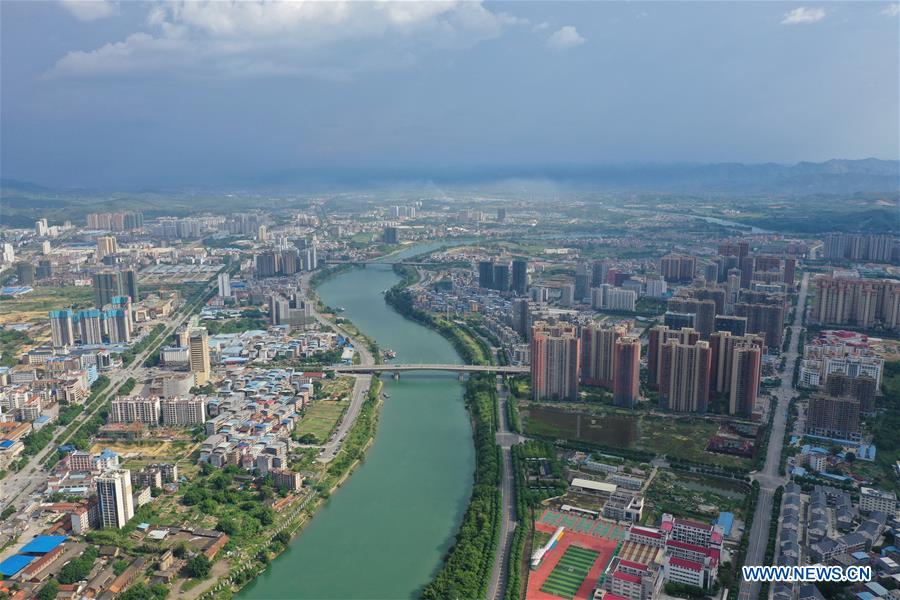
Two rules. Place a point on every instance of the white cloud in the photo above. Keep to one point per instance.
(90, 10)
(565, 37)
(330, 39)
(803, 15)
(892, 10)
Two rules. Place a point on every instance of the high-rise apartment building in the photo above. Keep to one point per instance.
(582, 282)
(746, 367)
(501, 277)
(659, 335)
(109, 284)
(598, 345)
(677, 268)
(90, 327)
(860, 247)
(118, 325)
(520, 276)
(134, 409)
(521, 316)
(268, 264)
(224, 281)
(833, 417)
(198, 353)
(106, 245)
(704, 312)
(857, 302)
(114, 496)
(183, 411)
(62, 332)
(599, 271)
(766, 320)
(862, 387)
(684, 376)
(25, 273)
(554, 361)
(130, 285)
(724, 352)
(106, 285)
(738, 249)
(391, 235)
(731, 324)
(486, 274)
(626, 371)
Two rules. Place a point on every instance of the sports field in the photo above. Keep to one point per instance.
(569, 573)
(572, 568)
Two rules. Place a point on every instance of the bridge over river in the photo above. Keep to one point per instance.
(396, 369)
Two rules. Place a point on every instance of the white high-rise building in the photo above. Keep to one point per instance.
(7, 253)
(114, 495)
(224, 285)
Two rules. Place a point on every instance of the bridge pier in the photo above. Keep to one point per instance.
(461, 375)
(397, 375)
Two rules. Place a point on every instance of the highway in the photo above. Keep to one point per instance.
(505, 439)
(769, 477)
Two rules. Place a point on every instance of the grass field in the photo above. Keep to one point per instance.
(570, 571)
(679, 437)
(321, 418)
(34, 306)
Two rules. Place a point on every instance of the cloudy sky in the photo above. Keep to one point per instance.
(171, 93)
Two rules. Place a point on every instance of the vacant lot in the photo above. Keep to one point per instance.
(321, 418)
(674, 436)
(35, 306)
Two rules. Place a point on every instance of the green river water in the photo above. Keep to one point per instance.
(383, 534)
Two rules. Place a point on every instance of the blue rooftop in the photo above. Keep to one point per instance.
(14, 564)
(6, 443)
(43, 544)
(726, 521)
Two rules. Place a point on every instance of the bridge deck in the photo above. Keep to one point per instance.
(396, 368)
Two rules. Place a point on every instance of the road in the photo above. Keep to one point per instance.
(769, 477)
(360, 385)
(27, 479)
(505, 439)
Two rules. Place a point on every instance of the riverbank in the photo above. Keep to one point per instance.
(394, 519)
(468, 564)
(300, 512)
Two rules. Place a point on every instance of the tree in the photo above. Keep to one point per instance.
(119, 566)
(228, 526)
(198, 566)
(283, 537)
(49, 591)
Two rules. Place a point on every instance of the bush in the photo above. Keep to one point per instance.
(198, 567)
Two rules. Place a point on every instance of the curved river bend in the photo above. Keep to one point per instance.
(383, 534)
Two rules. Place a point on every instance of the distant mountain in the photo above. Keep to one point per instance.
(866, 176)
(832, 177)
(23, 186)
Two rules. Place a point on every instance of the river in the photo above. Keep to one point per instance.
(383, 534)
